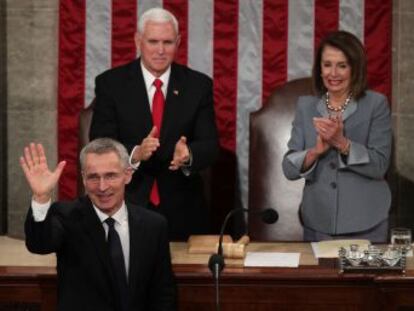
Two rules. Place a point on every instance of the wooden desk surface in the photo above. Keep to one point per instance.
(28, 282)
(181, 256)
(13, 252)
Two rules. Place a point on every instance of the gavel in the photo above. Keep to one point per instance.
(237, 249)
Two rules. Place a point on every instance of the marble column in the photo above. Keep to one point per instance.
(403, 109)
(32, 37)
(3, 119)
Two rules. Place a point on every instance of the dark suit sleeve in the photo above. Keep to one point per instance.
(104, 119)
(46, 236)
(163, 291)
(204, 143)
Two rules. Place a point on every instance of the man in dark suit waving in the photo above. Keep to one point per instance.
(111, 255)
(163, 113)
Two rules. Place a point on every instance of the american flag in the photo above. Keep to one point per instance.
(248, 47)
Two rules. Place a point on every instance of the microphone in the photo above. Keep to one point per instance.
(216, 261)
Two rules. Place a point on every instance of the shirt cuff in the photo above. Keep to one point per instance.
(190, 158)
(40, 210)
(185, 168)
(136, 164)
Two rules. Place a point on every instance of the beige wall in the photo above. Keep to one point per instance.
(403, 108)
(32, 89)
(403, 85)
(3, 116)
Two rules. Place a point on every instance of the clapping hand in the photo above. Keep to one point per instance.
(41, 180)
(181, 154)
(148, 146)
(321, 146)
(330, 130)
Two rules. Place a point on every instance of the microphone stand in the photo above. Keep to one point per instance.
(223, 227)
(216, 262)
(216, 268)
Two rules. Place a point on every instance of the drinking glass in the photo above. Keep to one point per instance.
(373, 256)
(354, 255)
(392, 255)
(401, 238)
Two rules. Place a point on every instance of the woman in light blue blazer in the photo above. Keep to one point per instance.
(341, 145)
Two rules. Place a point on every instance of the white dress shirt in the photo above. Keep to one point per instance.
(149, 79)
(150, 87)
(121, 226)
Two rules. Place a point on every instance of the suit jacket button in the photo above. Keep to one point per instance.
(333, 185)
(332, 165)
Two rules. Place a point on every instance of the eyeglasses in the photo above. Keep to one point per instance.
(96, 179)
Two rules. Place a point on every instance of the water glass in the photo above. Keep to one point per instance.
(401, 238)
(373, 256)
(392, 255)
(355, 256)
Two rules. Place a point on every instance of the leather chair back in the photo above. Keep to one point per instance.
(270, 129)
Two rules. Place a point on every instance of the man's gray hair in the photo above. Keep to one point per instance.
(157, 15)
(103, 146)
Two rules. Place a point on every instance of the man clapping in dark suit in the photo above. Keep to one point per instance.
(163, 113)
(111, 255)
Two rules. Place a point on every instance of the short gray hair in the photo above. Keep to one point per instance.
(103, 146)
(157, 15)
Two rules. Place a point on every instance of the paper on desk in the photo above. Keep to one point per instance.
(271, 259)
(329, 249)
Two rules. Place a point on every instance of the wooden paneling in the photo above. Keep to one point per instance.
(307, 288)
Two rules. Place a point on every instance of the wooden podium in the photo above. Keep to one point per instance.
(313, 286)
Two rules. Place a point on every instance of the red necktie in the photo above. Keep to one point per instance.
(157, 112)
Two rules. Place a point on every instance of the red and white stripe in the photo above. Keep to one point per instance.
(248, 47)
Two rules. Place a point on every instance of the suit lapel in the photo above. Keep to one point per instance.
(136, 248)
(94, 229)
(174, 96)
(321, 107)
(350, 110)
(137, 95)
(323, 110)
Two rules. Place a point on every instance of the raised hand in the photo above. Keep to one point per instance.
(41, 180)
(181, 154)
(148, 146)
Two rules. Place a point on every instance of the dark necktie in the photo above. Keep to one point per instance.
(157, 113)
(117, 262)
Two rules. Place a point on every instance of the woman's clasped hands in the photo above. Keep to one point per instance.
(330, 133)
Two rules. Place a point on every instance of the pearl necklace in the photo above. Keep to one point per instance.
(340, 108)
